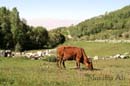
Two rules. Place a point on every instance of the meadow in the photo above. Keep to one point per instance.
(101, 48)
(26, 72)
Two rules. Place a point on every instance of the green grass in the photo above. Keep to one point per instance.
(25, 72)
(101, 48)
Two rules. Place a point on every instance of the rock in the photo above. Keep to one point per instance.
(95, 58)
(124, 56)
(117, 56)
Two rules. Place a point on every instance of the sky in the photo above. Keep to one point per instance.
(56, 13)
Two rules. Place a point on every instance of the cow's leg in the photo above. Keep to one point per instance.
(78, 63)
(58, 62)
(64, 63)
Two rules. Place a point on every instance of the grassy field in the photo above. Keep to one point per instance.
(26, 72)
(101, 48)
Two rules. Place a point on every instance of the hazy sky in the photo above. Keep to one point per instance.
(55, 13)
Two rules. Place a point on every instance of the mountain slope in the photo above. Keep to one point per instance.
(112, 25)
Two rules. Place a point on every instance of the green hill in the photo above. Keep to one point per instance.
(111, 25)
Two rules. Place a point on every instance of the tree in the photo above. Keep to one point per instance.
(39, 36)
(14, 20)
(6, 35)
(55, 39)
(18, 47)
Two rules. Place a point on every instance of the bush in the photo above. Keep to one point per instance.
(126, 35)
(50, 58)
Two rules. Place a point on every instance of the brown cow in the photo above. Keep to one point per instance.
(72, 53)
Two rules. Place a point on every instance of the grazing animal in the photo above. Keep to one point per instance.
(72, 53)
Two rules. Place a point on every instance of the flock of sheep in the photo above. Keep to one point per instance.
(39, 54)
(117, 56)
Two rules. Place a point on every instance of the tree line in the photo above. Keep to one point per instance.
(15, 34)
(111, 25)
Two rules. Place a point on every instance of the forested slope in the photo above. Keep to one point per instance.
(111, 25)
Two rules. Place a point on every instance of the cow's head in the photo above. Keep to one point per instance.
(89, 64)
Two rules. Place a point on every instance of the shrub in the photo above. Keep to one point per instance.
(50, 58)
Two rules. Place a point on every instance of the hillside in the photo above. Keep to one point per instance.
(111, 25)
